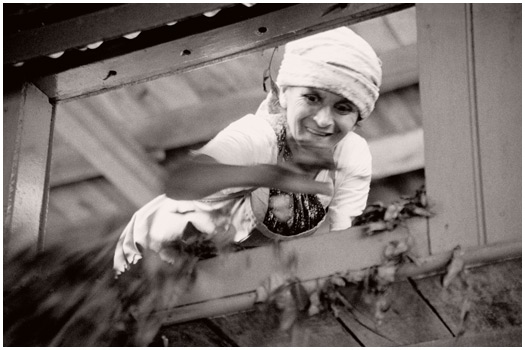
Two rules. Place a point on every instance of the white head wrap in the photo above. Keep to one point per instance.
(339, 61)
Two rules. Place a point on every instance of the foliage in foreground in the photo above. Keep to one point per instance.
(70, 297)
(64, 297)
(291, 301)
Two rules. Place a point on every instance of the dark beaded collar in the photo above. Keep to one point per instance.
(306, 210)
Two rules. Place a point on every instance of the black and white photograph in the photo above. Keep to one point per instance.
(262, 174)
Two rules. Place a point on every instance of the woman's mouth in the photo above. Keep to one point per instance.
(318, 132)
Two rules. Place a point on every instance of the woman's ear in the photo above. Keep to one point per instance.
(282, 97)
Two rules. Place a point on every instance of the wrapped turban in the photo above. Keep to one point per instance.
(339, 61)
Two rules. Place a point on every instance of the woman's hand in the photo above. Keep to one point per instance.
(310, 157)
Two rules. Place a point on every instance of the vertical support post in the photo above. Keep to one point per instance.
(498, 63)
(28, 135)
(470, 85)
(448, 100)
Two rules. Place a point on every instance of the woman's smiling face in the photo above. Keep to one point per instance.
(317, 117)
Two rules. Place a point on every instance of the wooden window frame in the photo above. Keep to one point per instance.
(321, 255)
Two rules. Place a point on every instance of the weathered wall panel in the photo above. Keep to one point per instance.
(451, 172)
(497, 53)
(470, 65)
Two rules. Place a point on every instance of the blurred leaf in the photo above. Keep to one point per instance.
(288, 317)
(315, 304)
(395, 250)
(356, 276)
(284, 299)
(302, 300)
(335, 310)
(165, 341)
(271, 285)
(465, 311)
(375, 227)
(338, 281)
(373, 212)
(455, 266)
(386, 274)
(423, 199)
(392, 211)
(420, 211)
(382, 305)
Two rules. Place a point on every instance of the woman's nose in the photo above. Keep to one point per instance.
(324, 118)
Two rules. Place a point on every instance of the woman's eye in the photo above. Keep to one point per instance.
(344, 109)
(312, 98)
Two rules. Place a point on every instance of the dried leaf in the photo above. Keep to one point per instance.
(284, 299)
(391, 225)
(390, 251)
(262, 294)
(288, 318)
(356, 276)
(414, 259)
(375, 227)
(338, 281)
(165, 341)
(335, 310)
(423, 198)
(401, 247)
(386, 274)
(373, 212)
(382, 305)
(393, 214)
(421, 211)
(392, 211)
(313, 310)
(302, 300)
(396, 251)
(315, 304)
(265, 291)
(465, 311)
(455, 267)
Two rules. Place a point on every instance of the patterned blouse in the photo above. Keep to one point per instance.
(305, 210)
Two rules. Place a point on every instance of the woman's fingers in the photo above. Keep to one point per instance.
(311, 157)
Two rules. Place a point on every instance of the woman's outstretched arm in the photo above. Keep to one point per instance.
(202, 176)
